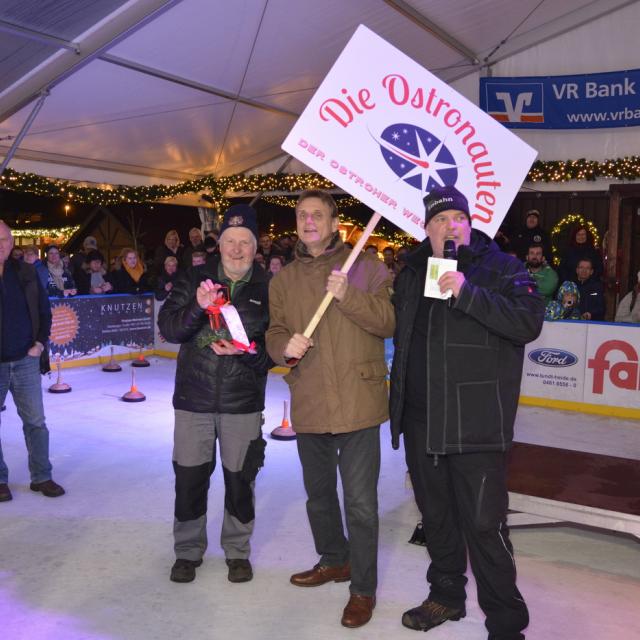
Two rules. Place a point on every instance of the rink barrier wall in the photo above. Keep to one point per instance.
(589, 367)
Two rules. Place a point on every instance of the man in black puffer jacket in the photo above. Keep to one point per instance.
(219, 394)
(455, 383)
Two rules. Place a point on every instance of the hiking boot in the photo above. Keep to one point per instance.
(184, 570)
(239, 570)
(430, 614)
(48, 488)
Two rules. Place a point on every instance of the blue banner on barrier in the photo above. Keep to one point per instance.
(85, 326)
(589, 101)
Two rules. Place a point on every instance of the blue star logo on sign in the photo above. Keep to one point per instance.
(418, 157)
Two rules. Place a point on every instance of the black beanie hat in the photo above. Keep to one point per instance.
(240, 215)
(442, 199)
(94, 255)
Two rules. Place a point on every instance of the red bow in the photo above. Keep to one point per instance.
(214, 313)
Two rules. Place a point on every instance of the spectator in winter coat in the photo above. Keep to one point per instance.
(32, 256)
(592, 304)
(170, 247)
(581, 245)
(455, 384)
(195, 244)
(60, 283)
(219, 395)
(545, 276)
(130, 277)
(166, 280)
(531, 233)
(566, 306)
(93, 279)
(629, 307)
(24, 355)
(338, 395)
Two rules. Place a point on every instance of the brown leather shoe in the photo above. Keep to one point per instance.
(5, 493)
(358, 611)
(321, 574)
(48, 488)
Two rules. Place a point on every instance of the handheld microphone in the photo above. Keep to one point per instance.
(449, 250)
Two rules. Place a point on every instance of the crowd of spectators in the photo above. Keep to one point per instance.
(575, 289)
(572, 290)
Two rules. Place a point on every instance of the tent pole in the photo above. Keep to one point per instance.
(23, 132)
(278, 172)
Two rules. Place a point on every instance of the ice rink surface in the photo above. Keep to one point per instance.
(94, 564)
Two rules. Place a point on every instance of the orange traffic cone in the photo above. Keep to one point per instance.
(140, 361)
(59, 386)
(133, 395)
(285, 430)
(112, 366)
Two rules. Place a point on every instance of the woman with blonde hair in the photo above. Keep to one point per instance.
(170, 248)
(130, 277)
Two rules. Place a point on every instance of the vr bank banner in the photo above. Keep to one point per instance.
(595, 100)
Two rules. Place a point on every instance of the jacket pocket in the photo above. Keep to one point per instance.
(292, 377)
(480, 415)
(371, 371)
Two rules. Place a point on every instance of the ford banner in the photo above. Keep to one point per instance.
(588, 101)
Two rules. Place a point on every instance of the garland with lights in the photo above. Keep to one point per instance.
(627, 168)
(219, 189)
(36, 234)
(216, 188)
(290, 201)
(395, 238)
(569, 220)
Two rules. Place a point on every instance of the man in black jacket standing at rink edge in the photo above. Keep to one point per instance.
(219, 395)
(455, 384)
(25, 323)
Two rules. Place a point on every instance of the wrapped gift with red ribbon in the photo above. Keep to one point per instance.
(214, 309)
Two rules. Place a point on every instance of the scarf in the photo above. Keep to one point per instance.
(135, 273)
(97, 280)
(57, 271)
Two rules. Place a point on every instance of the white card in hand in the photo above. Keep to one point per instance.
(436, 267)
(235, 326)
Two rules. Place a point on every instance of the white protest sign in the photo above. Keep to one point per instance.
(387, 131)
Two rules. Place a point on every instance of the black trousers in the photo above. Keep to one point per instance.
(357, 456)
(463, 500)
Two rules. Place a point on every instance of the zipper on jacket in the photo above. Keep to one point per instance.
(429, 376)
(483, 482)
(435, 460)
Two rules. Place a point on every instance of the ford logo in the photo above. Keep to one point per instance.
(552, 357)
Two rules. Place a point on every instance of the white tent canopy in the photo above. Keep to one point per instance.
(159, 91)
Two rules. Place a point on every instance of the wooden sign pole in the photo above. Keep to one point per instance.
(311, 327)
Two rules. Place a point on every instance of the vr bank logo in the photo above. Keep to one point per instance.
(517, 102)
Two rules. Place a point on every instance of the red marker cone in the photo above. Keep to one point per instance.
(133, 395)
(140, 361)
(59, 386)
(285, 430)
(112, 366)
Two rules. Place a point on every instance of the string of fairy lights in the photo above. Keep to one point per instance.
(568, 221)
(391, 237)
(220, 189)
(36, 233)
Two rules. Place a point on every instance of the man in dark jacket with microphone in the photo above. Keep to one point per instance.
(455, 383)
